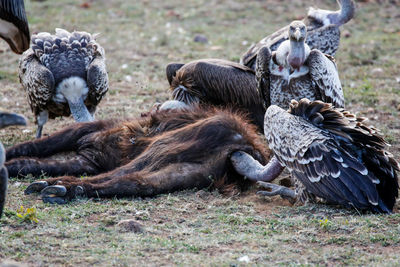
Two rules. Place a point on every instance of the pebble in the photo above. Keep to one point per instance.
(199, 38)
(130, 225)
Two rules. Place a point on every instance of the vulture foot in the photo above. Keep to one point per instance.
(275, 189)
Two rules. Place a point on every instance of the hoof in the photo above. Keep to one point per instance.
(79, 191)
(36, 187)
(54, 190)
(54, 200)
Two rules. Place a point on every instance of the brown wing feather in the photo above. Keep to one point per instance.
(37, 81)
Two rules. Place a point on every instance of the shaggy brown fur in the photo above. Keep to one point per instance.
(217, 82)
(164, 152)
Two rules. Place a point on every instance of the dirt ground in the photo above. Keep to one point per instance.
(201, 227)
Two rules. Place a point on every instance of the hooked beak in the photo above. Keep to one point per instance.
(8, 119)
(297, 34)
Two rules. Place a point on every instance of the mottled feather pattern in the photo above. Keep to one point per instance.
(37, 81)
(66, 54)
(323, 72)
(263, 75)
(325, 38)
(334, 154)
(53, 58)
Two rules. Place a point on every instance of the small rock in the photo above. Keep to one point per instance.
(130, 226)
(398, 107)
(128, 78)
(377, 72)
(244, 258)
(10, 263)
(124, 66)
(199, 38)
(245, 42)
(346, 34)
(398, 79)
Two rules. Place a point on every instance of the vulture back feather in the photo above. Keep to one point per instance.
(334, 154)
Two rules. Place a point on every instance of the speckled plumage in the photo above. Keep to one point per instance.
(322, 30)
(54, 58)
(317, 79)
(333, 154)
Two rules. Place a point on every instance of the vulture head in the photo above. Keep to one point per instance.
(14, 25)
(297, 36)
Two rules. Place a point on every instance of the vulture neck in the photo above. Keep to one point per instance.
(298, 54)
(74, 90)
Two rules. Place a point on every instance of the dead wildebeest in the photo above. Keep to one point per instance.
(165, 151)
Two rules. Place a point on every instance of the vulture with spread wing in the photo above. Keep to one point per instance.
(331, 154)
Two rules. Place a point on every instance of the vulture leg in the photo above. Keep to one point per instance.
(247, 166)
(42, 118)
(123, 182)
(275, 190)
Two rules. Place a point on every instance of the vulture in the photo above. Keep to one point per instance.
(15, 31)
(322, 29)
(6, 119)
(331, 153)
(63, 74)
(14, 25)
(294, 71)
(217, 82)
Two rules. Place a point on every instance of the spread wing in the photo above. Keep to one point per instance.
(334, 155)
(324, 73)
(97, 77)
(37, 81)
(263, 74)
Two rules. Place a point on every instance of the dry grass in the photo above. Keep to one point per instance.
(202, 228)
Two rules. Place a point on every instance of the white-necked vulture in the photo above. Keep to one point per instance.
(63, 74)
(332, 153)
(322, 30)
(294, 71)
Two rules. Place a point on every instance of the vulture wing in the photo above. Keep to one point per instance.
(334, 155)
(37, 81)
(324, 73)
(97, 78)
(263, 74)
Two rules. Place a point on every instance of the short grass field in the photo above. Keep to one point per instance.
(201, 228)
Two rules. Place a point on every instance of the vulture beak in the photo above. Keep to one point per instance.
(14, 25)
(8, 119)
(297, 34)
